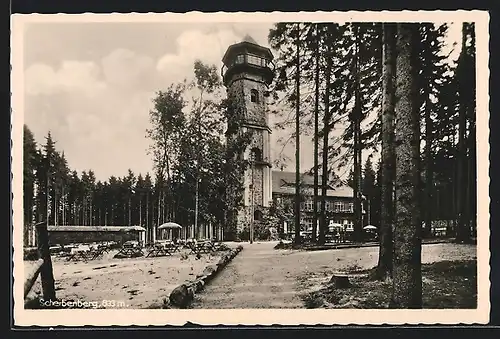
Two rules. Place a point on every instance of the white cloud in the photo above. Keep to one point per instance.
(192, 45)
(71, 76)
(124, 68)
(98, 111)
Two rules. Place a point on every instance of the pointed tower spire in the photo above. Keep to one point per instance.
(249, 39)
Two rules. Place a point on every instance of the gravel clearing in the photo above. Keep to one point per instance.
(123, 283)
(262, 277)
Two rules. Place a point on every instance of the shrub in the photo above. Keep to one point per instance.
(244, 234)
(30, 254)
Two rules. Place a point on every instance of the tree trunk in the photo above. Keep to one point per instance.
(169, 191)
(356, 119)
(84, 211)
(129, 211)
(147, 217)
(454, 199)
(155, 226)
(63, 212)
(316, 140)
(471, 111)
(47, 193)
(164, 207)
(384, 268)
(91, 210)
(297, 140)
(473, 177)
(407, 275)
(463, 233)
(429, 180)
(326, 132)
(55, 210)
(140, 210)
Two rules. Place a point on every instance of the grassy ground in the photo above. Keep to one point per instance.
(446, 284)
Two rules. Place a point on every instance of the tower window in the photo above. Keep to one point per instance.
(256, 154)
(254, 60)
(257, 215)
(254, 96)
(240, 59)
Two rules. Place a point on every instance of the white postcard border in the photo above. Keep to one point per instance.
(257, 316)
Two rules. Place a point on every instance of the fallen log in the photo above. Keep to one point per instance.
(32, 276)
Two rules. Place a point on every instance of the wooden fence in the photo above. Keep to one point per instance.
(42, 267)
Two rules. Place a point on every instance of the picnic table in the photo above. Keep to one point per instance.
(79, 252)
(97, 251)
(161, 248)
(87, 252)
(130, 250)
(200, 247)
(172, 246)
(158, 249)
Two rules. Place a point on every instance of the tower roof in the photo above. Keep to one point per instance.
(248, 42)
(249, 39)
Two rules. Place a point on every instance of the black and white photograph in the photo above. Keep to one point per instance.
(250, 168)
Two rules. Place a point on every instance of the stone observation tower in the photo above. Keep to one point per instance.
(247, 72)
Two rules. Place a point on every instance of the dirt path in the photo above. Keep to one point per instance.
(261, 277)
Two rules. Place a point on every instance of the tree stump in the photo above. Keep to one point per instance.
(340, 281)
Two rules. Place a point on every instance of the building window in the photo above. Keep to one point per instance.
(256, 154)
(339, 206)
(254, 60)
(309, 205)
(257, 215)
(240, 59)
(308, 224)
(350, 207)
(254, 96)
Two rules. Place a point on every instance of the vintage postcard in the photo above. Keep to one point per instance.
(251, 168)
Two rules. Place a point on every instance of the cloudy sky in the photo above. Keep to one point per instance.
(91, 84)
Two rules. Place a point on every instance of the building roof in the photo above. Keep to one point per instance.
(74, 228)
(247, 42)
(284, 183)
(249, 39)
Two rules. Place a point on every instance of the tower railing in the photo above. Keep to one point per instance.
(270, 66)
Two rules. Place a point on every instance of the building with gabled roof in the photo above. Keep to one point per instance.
(339, 200)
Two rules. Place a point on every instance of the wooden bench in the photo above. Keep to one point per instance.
(158, 250)
(81, 252)
(98, 251)
(199, 248)
(130, 250)
(172, 247)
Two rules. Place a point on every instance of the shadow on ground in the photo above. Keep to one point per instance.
(446, 285)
